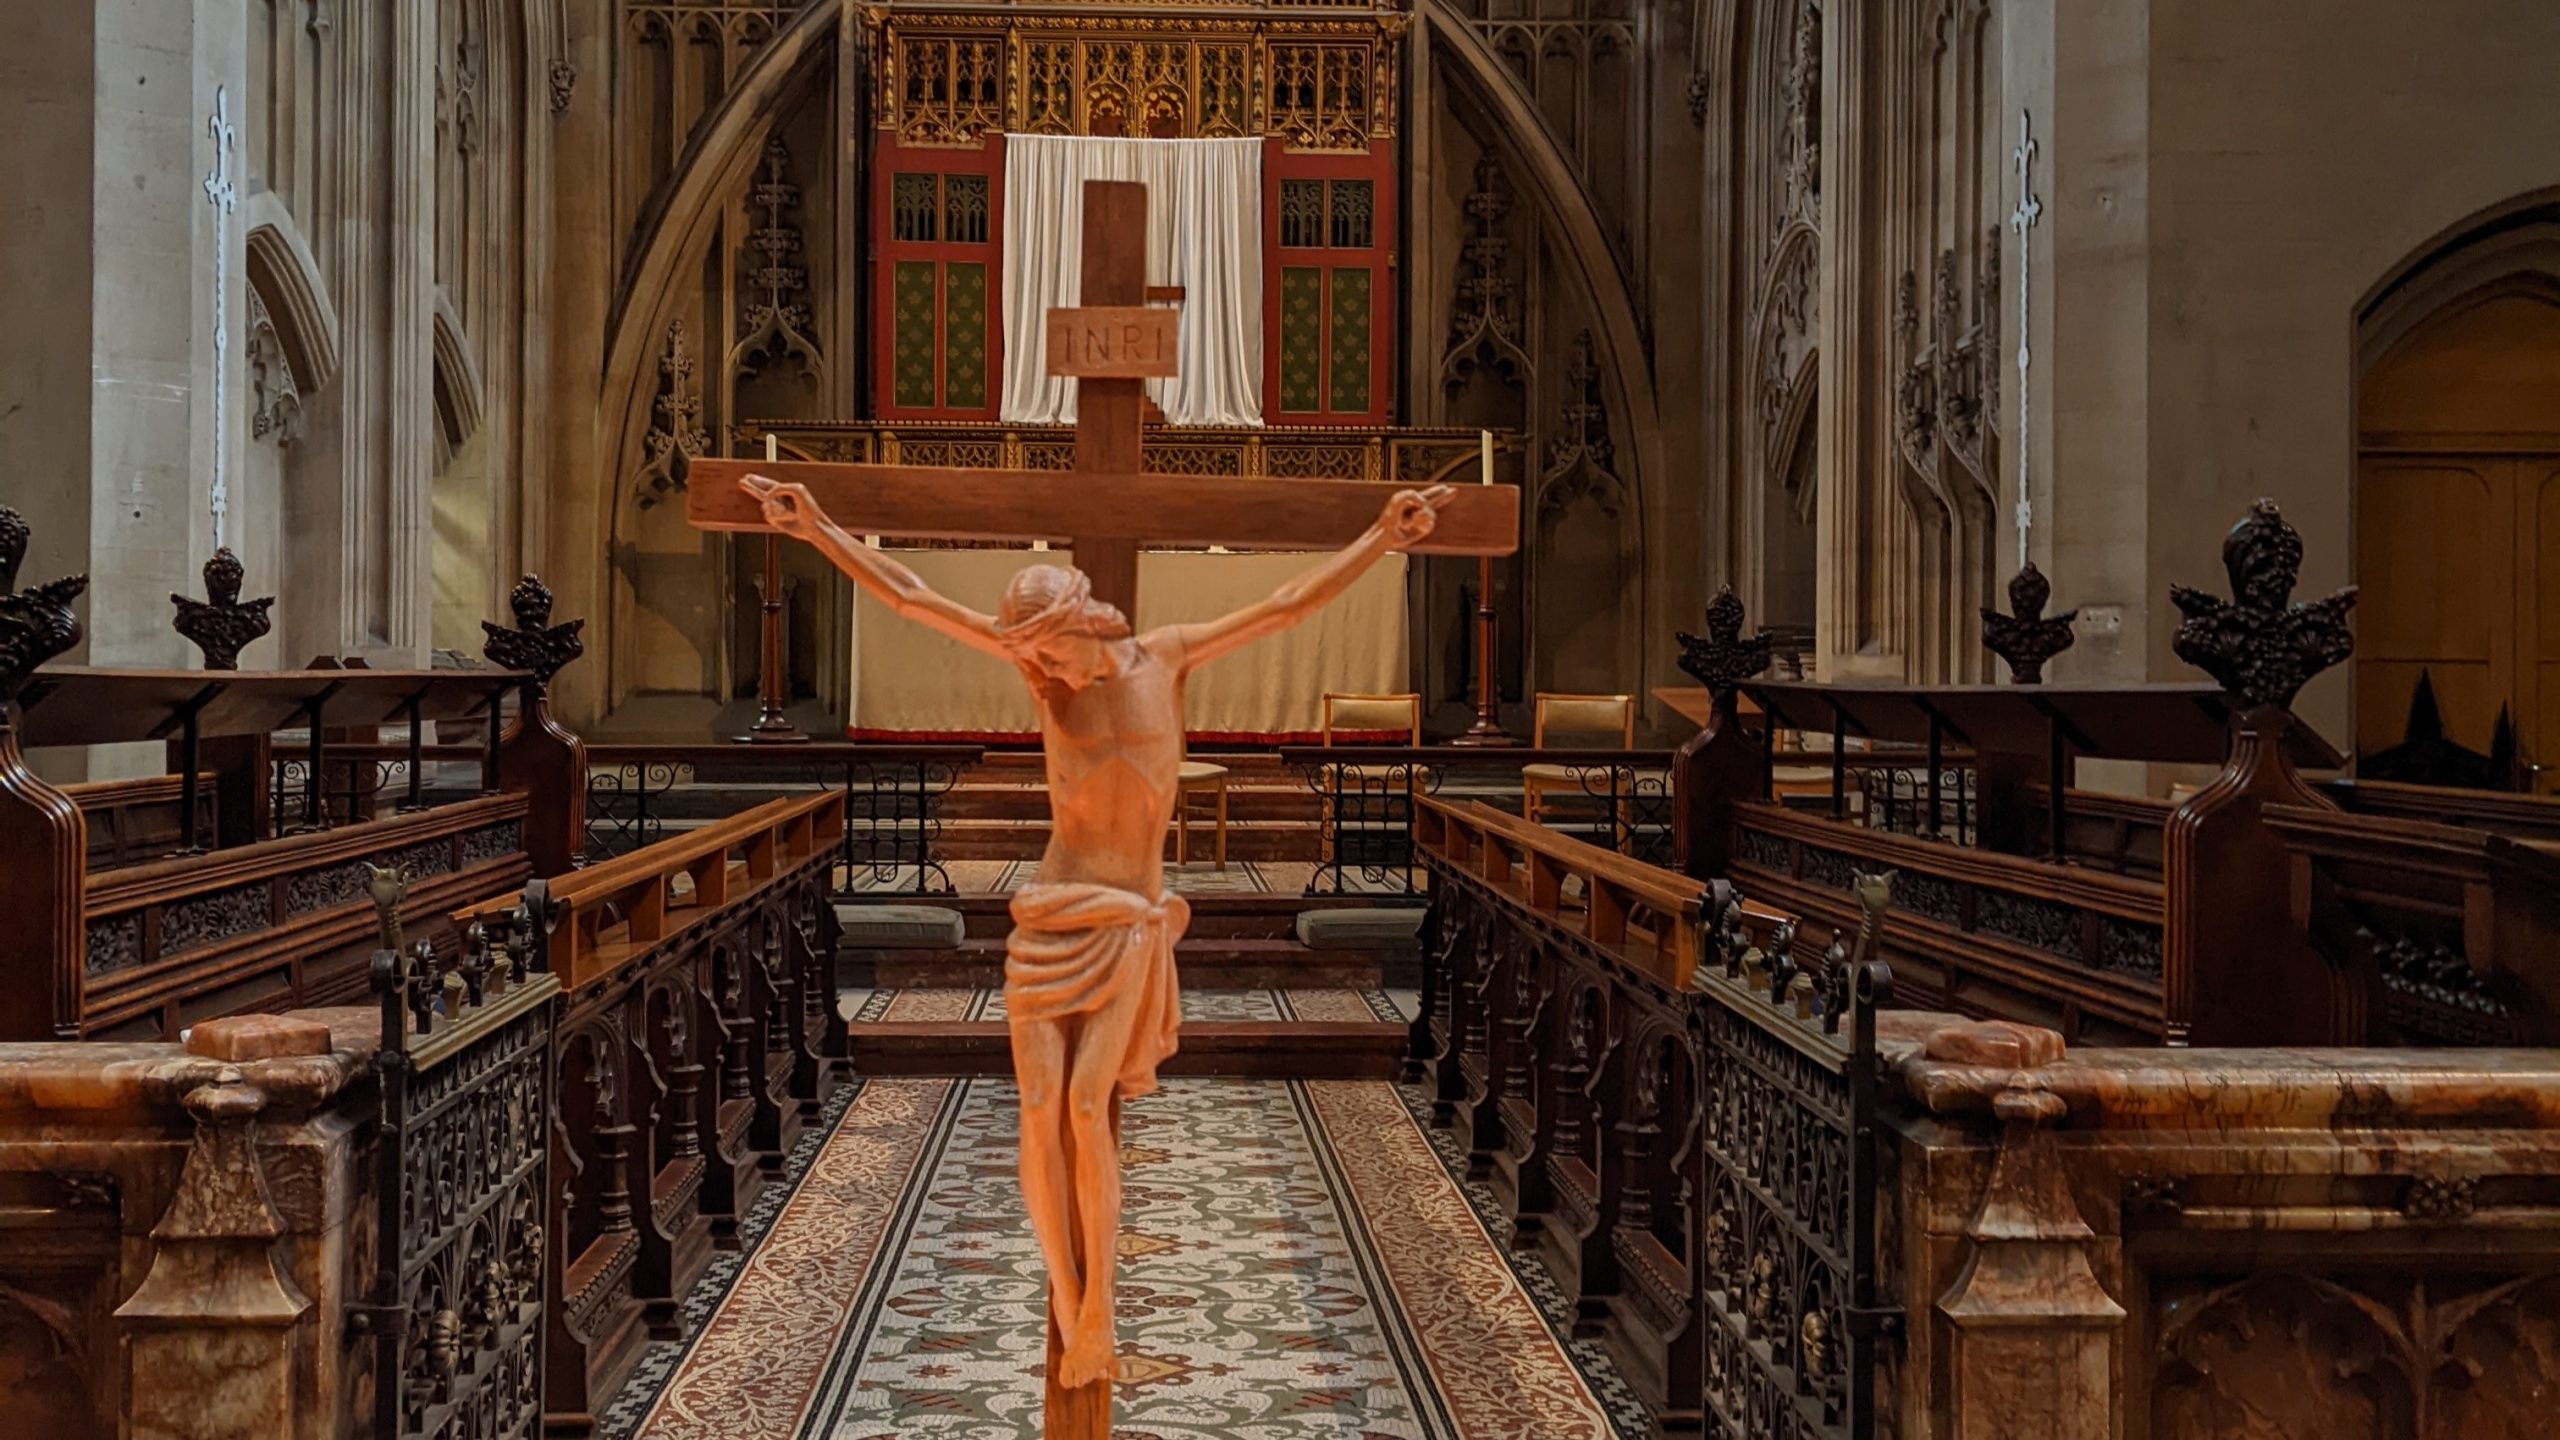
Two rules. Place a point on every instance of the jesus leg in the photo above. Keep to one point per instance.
(1048, 1194)
(1093, 1118)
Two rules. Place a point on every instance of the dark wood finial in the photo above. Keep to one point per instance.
(535, 644)
(1724, 658)
(2260, 645)
(2026, 637)
(219, 625)
(36, 624)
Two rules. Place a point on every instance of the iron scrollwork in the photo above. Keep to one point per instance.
(1365, 830)
(1635, 805)
(456, 1308)
(1796, 1299)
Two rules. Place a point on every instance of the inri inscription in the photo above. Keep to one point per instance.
(1111, 342)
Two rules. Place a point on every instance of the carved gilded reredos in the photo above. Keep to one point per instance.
(1320, 77)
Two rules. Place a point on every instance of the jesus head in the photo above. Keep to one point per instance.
(1051, 622)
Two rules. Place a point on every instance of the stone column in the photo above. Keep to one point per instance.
(118, 252)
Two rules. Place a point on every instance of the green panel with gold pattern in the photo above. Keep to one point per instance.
(1350, 341)
(1301, 340)
(964, 336)
(911, 335)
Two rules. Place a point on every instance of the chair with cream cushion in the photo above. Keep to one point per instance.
(1358, 714)
(1198, 776)
(1573, 722)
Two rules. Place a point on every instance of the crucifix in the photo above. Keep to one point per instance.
(1089, 974)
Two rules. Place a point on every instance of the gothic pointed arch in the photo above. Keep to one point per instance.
(287, 280)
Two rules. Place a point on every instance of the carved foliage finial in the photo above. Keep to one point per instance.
(219, 625)
(2261, 645)
(36, 624)
(2026, 637)
(535, 644)
(1724, 658)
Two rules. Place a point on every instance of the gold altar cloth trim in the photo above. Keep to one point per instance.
(1080, 948)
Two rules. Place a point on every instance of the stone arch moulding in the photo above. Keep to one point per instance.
(1542, 171)
(459, 395)
(679, 223)
(283, 271)
(2516, 241)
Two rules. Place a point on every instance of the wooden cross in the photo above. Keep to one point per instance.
(1108, 505)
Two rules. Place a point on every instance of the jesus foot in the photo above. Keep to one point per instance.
(1087, 1360)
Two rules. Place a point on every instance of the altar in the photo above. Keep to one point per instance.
(910, 683)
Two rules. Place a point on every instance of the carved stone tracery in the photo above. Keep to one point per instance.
(275, 400)
(1581, 457)
(676, 434)
(777, 322)
(1484, 323)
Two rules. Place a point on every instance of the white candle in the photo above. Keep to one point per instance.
(1485, 438)
(772, 448)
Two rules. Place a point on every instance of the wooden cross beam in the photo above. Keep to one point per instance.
(1108, 505)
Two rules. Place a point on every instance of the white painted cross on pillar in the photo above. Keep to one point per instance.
(224, 196)
(2023, 219)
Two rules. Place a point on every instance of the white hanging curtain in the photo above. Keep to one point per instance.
(1204, 233)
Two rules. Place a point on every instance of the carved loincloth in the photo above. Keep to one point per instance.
(1077, 949)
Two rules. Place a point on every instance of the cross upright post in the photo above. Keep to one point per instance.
(1111, 409)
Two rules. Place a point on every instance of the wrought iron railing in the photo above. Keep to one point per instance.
(1620, 799)
(456, 1310)
(1898, 795)
(893, 800)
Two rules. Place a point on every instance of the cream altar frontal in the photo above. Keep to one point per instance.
(911, 682)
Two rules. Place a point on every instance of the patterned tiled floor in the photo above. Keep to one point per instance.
(1297, 1264)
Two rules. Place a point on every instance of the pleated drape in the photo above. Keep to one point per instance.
(1204, 233)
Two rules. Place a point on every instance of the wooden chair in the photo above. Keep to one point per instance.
(1573, 722)
(1350, 712)
(1198, 776)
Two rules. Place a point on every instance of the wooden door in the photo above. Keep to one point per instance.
(2458, 524)
(2458, 558)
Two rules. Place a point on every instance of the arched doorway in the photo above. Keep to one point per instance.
(2458, 521)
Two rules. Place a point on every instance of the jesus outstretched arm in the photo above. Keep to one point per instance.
(789, 508)
(1408, 521)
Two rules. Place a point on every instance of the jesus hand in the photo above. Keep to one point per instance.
(1411, 515)
(788, 505)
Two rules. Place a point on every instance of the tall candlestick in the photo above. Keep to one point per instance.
(772, 725)
(1487, 729)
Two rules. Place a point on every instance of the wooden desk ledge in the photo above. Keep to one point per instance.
(1616, 890)
(611, 912)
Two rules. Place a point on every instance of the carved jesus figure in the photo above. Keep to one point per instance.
(1089, 977)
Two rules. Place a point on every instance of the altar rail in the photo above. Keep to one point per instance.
(892, 795)
(1918, 1225)
(1365, 840)
(1407, 454)
(699, 1035)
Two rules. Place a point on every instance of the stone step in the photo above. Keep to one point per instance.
(1206, 964)
(1213, 917)
(930, 1032)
